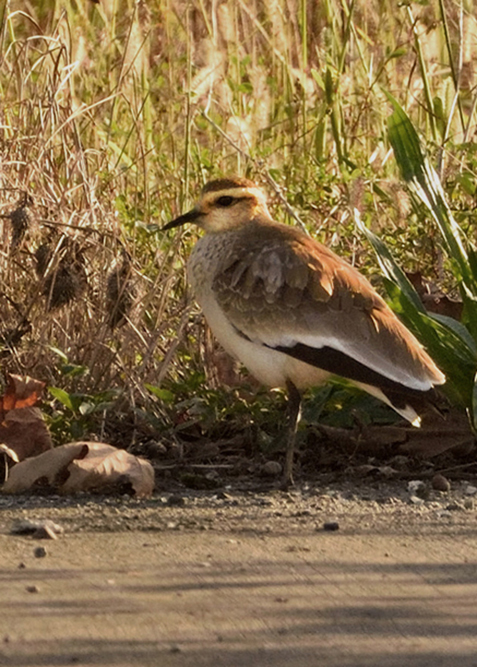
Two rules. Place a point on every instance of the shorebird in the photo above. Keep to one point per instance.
(293, 312)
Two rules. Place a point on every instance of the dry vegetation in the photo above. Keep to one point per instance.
(112, 115)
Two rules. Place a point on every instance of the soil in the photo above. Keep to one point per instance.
(357, 567)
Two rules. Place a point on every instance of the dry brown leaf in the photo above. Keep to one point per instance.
(22, 391)
(45, 470)
(22, 428)
(106, 466)
(83, 466)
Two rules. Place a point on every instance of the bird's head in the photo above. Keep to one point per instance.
(224, 204)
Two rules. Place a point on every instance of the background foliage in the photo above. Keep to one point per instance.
(113, 115)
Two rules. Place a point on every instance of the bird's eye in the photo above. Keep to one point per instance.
(225, 201)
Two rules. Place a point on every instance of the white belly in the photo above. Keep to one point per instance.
(268, 366)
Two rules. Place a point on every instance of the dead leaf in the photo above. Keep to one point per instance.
(45, 470)
(83, 466)
(106, 466)
(22, 391)
(22, 428)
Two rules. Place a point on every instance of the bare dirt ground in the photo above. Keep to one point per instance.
(245, 575)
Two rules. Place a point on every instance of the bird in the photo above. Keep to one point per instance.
(294, 312)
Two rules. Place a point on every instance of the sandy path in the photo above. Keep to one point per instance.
(358, 597)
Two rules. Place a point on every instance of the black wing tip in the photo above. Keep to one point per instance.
(338, 363)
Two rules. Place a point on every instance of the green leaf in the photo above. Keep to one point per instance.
(388, 265)
(329, 86)
(405, 143)
(448, 342)
(163, 394)
(318, 79)
(59, 352)
(62, 396)
(467, 182)
(245, 87)
(441, 120)
(73, 370)
(397, 53)
(424, 183)
(458, 328)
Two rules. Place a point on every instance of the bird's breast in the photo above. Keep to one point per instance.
(204, 263)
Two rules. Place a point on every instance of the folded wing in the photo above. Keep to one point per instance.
(288, 292)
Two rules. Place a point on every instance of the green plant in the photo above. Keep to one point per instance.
(76, 416)
(452, 344)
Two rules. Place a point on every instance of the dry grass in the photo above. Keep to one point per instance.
(112, 115)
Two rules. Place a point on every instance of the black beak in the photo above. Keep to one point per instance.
(191, 216)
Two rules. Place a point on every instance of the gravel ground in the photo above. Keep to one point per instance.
(352, 572)
(409, 507)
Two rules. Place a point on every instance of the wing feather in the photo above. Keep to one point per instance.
(285, 290)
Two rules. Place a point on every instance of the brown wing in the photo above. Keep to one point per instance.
(289, 292)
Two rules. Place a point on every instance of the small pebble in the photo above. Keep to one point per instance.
(417, 487)
(331, 526)
(454, 507)
(32, 589)
(155, 450)
(175, 500)
(470, 490)
(305, 512)
(440, 483)
(469, 503)
(175, 451)
(272, 468)
(39, 552)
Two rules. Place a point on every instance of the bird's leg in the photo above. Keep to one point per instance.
(294, 404)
